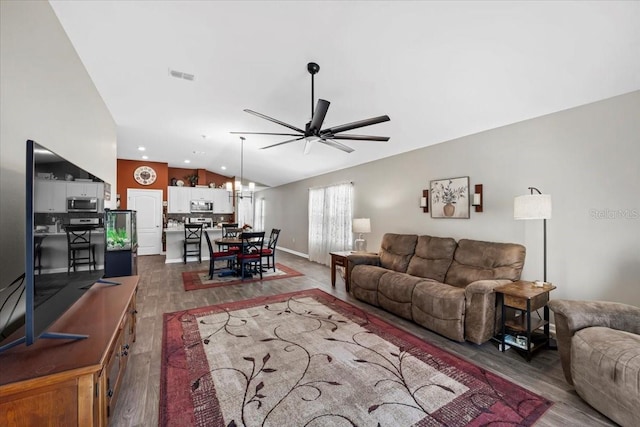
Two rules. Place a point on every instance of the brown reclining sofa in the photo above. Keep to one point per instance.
(445, 286)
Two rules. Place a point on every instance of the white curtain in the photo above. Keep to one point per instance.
(259, 215)
(245, 211)
(330, 213)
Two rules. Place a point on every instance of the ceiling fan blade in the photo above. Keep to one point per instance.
(265, 133)
(360, 137)
(271, 119)
(336, 144)
(318, 116)
(354, 125)
(284, 142)
(308, 143)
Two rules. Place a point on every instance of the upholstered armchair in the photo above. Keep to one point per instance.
(599, 346)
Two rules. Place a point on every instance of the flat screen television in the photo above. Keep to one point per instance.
(51, 289)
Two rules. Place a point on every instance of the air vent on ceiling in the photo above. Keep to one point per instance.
(181, 75)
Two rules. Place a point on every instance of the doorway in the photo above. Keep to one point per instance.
(148, 204)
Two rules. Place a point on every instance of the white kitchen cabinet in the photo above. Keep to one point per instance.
(85, 189)
(222, 203)
(198, 193)
(179, 200)
(50, 196)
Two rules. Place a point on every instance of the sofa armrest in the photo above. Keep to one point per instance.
(361, 259)
(572, 316)
(484, 286)
(480, 310)
(584, 314)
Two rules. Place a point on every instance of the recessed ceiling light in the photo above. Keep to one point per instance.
(187, 161)
(224, 168)
(145, 157)
(141, 148)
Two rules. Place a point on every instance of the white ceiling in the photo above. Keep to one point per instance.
(440, 70)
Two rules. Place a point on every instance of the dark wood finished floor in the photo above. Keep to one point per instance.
(161, 291)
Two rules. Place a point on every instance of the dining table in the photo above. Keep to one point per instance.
(228, 242)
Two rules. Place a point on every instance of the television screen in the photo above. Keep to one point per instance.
(64, 250)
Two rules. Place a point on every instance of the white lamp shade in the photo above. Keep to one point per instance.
(252, 186)
(238, 186)
(229, 186)
(532, 206)
(361, 225)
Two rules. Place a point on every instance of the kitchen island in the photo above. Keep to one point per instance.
(175, 240)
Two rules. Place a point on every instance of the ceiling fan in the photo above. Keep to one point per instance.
(313, 131)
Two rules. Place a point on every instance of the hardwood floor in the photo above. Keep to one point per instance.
(161, 291)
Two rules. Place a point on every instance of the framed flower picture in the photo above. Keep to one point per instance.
(450, 198)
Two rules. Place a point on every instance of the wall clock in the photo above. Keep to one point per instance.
(145, 175)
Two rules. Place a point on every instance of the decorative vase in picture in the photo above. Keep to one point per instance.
(448, 209)
(450, 198)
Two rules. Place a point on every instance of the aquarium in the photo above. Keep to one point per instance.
(120, 230)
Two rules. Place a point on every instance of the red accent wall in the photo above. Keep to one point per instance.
(163, 180)
(126, 179)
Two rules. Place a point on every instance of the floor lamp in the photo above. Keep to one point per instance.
(534, 206)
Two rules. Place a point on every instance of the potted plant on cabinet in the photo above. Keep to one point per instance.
(193, 179)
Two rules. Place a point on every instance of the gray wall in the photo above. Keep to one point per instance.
(47, 96)
(587, 158)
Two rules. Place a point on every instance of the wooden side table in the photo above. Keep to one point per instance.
(339, 259)
(521, 332)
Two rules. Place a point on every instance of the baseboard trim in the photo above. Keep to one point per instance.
(291, 251)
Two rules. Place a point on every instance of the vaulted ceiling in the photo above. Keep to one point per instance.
(440, 70)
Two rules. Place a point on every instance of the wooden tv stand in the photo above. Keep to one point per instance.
(72, 383)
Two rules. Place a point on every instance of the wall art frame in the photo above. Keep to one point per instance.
(450, 198)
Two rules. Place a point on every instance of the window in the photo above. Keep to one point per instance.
(330, 213)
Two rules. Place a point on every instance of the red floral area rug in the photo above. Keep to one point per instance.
(194, 280)
(308, 359)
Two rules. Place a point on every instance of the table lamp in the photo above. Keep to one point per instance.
(360, 226)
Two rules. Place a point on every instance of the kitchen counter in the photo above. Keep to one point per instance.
(98, 231)
(175, 243)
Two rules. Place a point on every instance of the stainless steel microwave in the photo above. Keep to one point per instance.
(84, 204)
(199, 206)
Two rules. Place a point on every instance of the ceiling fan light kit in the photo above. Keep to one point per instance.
(313, 131)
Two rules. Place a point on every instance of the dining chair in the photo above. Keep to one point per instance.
(192, 241)
(270, 251)
(229, 231)
(214, 256)
(250, 256)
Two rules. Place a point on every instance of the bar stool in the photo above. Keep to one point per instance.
(37, 253)
(80, 250)
(192, 241)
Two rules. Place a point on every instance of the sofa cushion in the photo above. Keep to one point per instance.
(605, 366)
(439, 307)
(395, 291)
(432, 257)
(364, 282)
(476, 260)
(396, 251)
